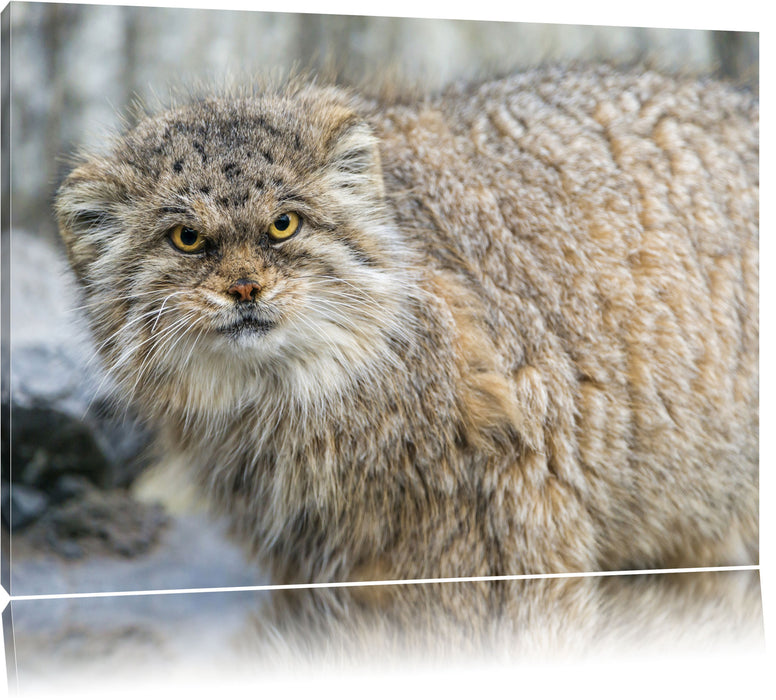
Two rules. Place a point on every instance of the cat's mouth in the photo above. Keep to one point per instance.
(248, 325)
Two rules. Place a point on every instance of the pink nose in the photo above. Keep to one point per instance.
(244, 290)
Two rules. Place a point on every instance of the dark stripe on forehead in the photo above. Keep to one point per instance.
(199, 148)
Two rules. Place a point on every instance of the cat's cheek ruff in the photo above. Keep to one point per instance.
(312, 357)
(309, 369)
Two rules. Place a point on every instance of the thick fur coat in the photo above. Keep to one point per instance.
(515, 332)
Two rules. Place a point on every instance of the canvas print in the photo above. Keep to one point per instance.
(461, 302)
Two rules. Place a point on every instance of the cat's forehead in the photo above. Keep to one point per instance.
(211, 133)
(232, 151)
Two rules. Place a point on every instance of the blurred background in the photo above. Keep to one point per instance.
(76, 67)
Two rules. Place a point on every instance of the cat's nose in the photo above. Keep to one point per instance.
(244, 290)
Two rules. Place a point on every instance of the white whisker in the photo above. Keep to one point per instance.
(166, 299)
(114, 299)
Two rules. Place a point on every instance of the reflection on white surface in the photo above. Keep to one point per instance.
(244, 639)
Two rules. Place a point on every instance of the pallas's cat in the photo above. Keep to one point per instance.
(511, 328)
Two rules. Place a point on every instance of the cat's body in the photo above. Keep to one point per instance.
(515, 331)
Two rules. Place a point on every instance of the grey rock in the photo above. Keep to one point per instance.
(69, 486)
(47, 444)
(22, 505)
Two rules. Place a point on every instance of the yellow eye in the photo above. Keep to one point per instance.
(187, 239)
(285, 226)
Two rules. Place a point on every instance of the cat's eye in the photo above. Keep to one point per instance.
(285, 226)
(187, 239)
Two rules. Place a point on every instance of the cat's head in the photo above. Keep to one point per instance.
(236, 242)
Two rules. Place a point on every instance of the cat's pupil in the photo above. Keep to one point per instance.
(189, 236)
(283, 222)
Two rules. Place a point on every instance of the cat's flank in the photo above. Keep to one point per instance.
(509, 329)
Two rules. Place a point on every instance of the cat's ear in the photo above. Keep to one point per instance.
(354, 160)
(86, 206)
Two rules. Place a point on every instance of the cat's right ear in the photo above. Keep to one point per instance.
(86, 207)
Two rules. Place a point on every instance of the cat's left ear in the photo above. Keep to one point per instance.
(87, 208)
(354, 160)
